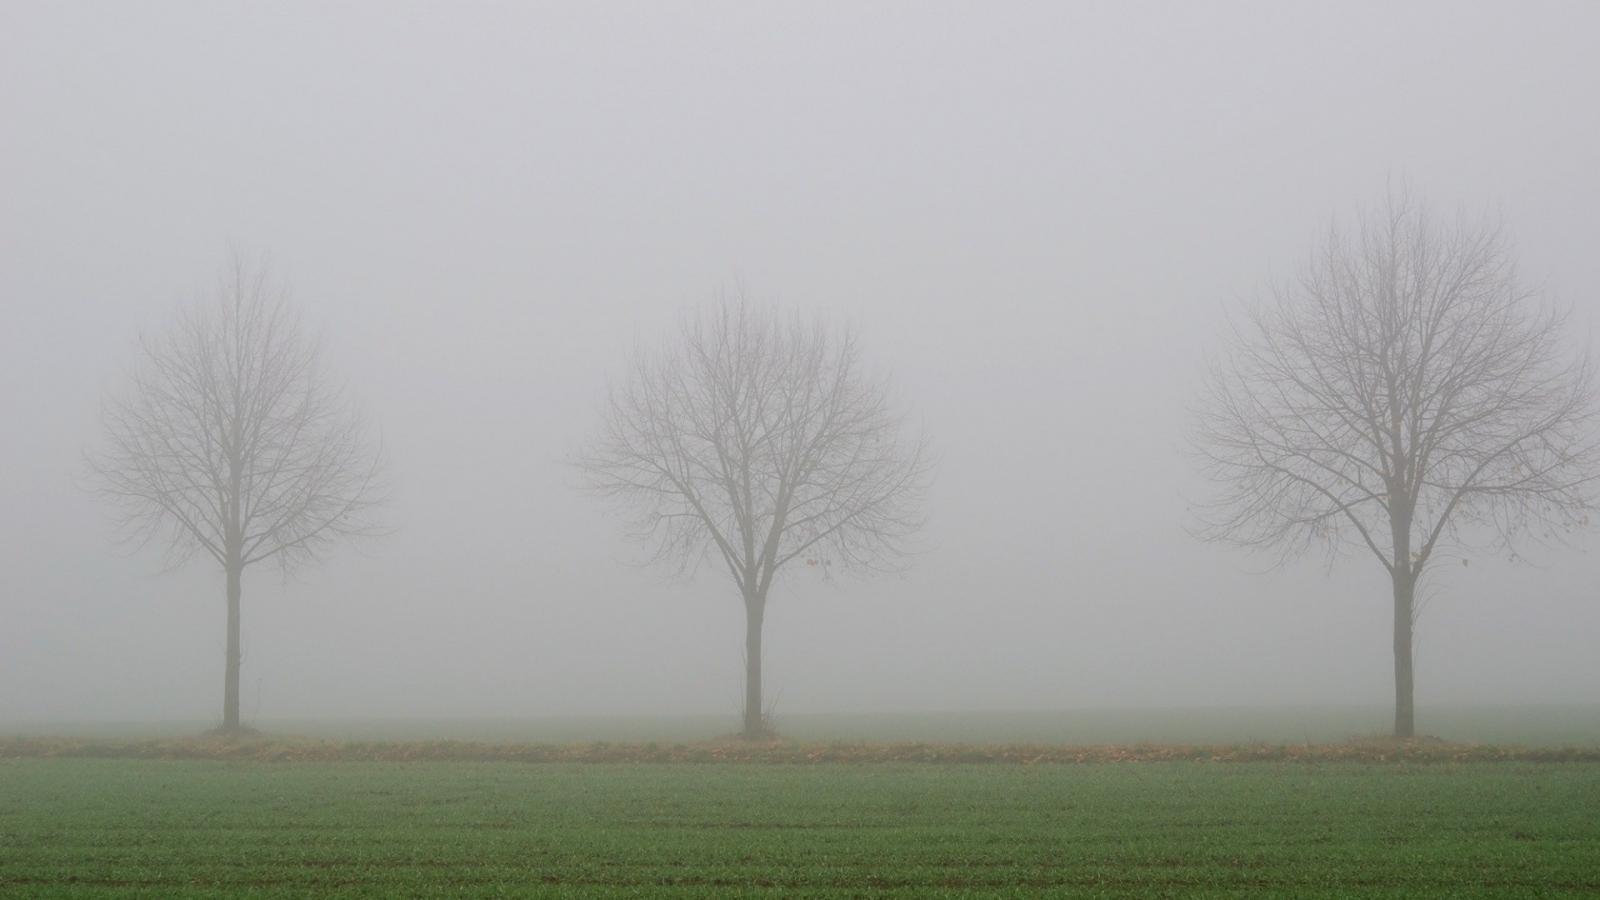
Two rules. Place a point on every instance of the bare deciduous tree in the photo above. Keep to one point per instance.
(229, 440)
(1404, 394)
(761, 441)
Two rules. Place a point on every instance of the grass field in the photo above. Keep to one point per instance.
(165, 828)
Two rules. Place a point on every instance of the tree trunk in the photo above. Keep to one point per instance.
(754, 726)
(1404, 711)
(230, 691)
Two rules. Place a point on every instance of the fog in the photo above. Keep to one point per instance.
(1037, 216)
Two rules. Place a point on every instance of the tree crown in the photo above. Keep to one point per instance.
(762, 439)
(229, 439)
(1404, 392)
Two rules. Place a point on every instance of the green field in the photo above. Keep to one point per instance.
(164, 828)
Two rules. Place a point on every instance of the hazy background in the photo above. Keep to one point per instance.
(1036, 214)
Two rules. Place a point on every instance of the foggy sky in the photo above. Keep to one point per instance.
(1037, 215)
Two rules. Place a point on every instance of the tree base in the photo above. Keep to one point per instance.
(765, 733)
(237, 732)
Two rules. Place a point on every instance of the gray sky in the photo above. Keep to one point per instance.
(1037, 214)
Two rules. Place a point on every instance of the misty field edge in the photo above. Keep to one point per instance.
(289, 749)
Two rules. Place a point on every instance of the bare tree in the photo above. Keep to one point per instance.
(1403, 395)
(761, 441)
(229, 440)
